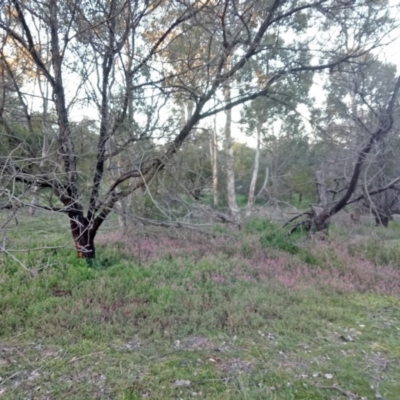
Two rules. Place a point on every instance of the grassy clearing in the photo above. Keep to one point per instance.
(259, 316)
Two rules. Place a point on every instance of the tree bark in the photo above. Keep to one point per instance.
(83, 235)
(252, 190)
(319, 221)
(214, 155)
(36, 188)
(265, 183)
(34, 201)
(230, 159)
(121, 211)
(323, 201)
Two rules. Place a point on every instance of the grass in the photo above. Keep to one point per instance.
(178, 316)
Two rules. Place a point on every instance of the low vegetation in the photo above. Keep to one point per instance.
(185, 118)
(172, 315)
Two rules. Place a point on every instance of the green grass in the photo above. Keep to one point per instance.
(273, 236)
(183, 327)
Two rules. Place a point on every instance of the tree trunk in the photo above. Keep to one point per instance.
(35, 200)
(83, 236)
(319, 216)
(214, 154)
(35, 189)
(382, 220)
(265, 183)
(321, 188)
(121, 211)
(230, 160)
(123, 208)
(250, 202)
(319, 222)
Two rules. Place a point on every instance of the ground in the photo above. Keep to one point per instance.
(177, 315)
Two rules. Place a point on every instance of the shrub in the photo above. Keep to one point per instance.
(273, 235)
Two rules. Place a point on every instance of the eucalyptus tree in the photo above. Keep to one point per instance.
(92, 65)
(379, 181)
(263, 115)
(361, 117)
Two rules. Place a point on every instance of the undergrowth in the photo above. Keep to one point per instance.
(253, 315)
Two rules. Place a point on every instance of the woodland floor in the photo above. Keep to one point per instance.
(177, 315)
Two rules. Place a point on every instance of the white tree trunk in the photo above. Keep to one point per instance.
(124, 209)
(265, 183)
(35, 188)
(230, 160)
(252, 190)
(34, 201)
(323, 200)
(122, 206)
(120, 212)
(214, 162)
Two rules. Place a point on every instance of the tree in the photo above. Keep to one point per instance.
(278, 106)
(361, 122)
(229, 154)
(383, 172)
(93, 63)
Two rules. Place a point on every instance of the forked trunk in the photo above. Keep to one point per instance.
(83, 237)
